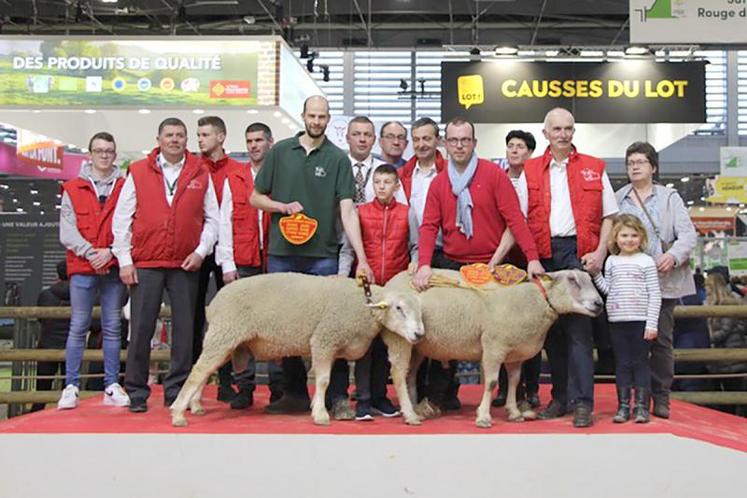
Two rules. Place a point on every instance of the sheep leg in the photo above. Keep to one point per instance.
(412, 374)
(322, 366)
(491, 365)
(400, 353)
(213, 356)
(514, 375)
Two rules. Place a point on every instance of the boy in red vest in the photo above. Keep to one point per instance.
(242, 245)
(165, 223)
(389, 248)
(85, 230)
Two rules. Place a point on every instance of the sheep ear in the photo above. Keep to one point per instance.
(382, 305)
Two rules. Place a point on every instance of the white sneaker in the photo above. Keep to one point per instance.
(69, 398)
(114, 395)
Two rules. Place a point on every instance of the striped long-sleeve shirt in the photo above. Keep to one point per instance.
(632, 288)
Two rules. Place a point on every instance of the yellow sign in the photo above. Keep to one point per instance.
(470, 90)
(727, 190)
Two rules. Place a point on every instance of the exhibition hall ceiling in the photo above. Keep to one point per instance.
(335, 23)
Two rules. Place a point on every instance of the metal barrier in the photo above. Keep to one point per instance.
(24, 357)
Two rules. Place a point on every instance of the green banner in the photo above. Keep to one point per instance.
(142, 73)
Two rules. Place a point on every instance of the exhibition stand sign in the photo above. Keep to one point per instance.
(630, 91)
(64, 72)
(688, 21)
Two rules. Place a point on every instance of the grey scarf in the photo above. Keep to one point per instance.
(460, 187)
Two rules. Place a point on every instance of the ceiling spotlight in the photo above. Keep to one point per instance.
(304, 51)
(325, 72)
(250, 19)
(685, 179)
(506, 50)
(474, 51)
(144, 111)
(310, 64)
(636, 51)
(403, 84)
(592, 53)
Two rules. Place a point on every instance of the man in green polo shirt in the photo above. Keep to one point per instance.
(308, 174)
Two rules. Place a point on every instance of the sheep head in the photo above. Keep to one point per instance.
(400, 313)
(573, 291)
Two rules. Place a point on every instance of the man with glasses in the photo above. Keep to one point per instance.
(471, 203)
(571, 203)
(393, 142)
(86, 232)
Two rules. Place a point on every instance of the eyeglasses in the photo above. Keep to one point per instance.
(464, 141)
(400, 138)
(640, 162)
(104, 152)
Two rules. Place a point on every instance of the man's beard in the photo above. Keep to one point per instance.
(312, 135)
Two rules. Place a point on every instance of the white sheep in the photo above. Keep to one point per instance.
(507, 325)
(289, 314)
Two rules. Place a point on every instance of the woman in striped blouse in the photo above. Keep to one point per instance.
(633, 301)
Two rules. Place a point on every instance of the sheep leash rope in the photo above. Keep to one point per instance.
(538, 282)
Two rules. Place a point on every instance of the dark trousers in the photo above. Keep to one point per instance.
(209, 267)
(529, 382)
(439, 382)
(47, 368)
(662, 353)
(294, 370)
(372, 372)
(145, 304)
(569, 342)
(631, 355)
(247, 378)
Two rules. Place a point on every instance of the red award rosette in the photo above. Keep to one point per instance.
(297, 228)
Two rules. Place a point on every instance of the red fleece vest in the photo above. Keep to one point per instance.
(162, 235)
(406, 171)
(94, 221)
(386, 235)
(585, 187)
(245, 218)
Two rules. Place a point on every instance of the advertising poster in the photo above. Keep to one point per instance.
(95, 72)
(688, 21)
(603, 92)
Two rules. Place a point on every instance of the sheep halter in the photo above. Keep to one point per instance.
(538, 282)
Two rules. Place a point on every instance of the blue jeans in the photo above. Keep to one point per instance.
(294, 371)
(83, 293)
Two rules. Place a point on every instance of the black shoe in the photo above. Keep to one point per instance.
(534, 400)
(137, 406)
(385, 408)
(554, 410)
(275, 395)
(500, 399)
(582, 416)
(661, 408)
(289, 404)
(642, 402)
(244, 399)
(226, 394)
(623, 406)
(451, 403)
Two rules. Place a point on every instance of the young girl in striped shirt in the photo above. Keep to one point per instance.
(633, 301)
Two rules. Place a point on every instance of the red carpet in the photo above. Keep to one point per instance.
(689, 421)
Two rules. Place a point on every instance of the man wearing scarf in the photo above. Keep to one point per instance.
(472, 203)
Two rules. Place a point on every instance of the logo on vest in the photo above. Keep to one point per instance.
(194, 185)
(320, 172)
(590, 175)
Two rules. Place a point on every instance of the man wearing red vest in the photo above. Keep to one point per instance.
(570, 203)
(211, 134)
(165, 224)
(242, 244)
(86, 232)
(472, 203)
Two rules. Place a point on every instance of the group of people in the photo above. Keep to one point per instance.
(176, 218)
